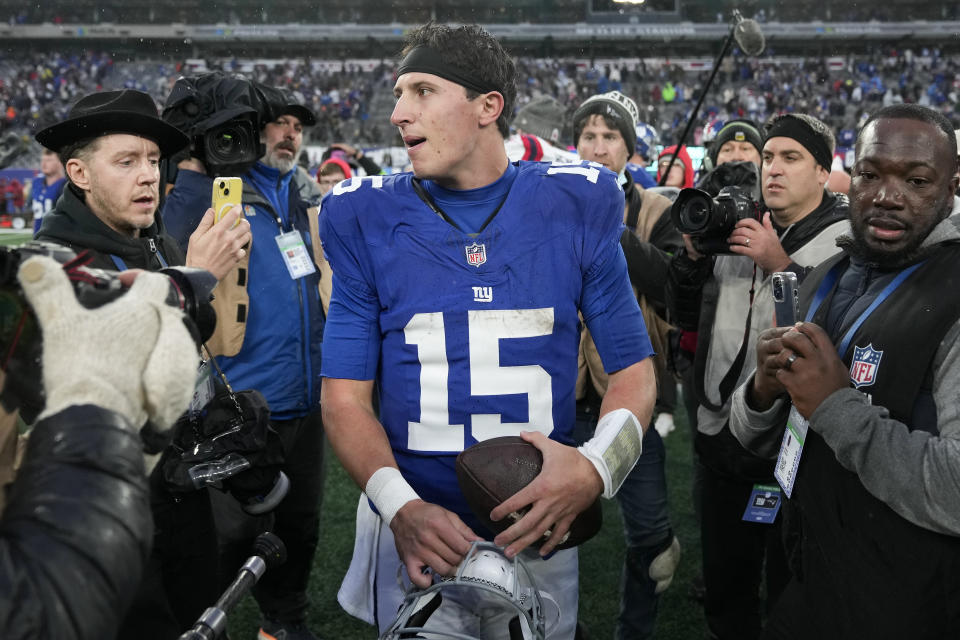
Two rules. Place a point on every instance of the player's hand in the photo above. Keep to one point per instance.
(567, 484)
(816, 372)
(770, 360)
(759, 242)
(219, 247)
(428, 535)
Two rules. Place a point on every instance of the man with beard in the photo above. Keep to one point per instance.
(272, 344)
(866, 390)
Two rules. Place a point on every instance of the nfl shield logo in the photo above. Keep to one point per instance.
(476, 254)
(863, 369)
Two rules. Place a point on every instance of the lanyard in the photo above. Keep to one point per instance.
(827, 285)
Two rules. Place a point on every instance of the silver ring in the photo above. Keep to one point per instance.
(746, 242)
(790, 361)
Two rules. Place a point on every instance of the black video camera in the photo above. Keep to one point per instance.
(223, 115)
(20, 336)
(709, 221)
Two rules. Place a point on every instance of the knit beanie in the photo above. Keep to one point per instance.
(543, 117)
(615, 107)
(740, 131)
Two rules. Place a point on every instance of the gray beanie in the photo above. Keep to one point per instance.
(613, 106)
(543, 117)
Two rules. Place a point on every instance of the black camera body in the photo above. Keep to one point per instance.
(20, 336)
(223, 115)
(710, 221)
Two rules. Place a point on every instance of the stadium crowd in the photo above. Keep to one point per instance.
(352, 104)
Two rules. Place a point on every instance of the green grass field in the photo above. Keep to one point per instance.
(600, 561)
(9, 237)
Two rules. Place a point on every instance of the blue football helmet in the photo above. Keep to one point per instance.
(647, 140)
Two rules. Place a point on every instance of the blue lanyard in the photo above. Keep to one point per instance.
(122, 266)
(827, 285)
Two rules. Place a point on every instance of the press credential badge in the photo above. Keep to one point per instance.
(294, 253)
(790, 449)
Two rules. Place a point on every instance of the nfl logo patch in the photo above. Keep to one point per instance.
(863, 369)
(476, 254)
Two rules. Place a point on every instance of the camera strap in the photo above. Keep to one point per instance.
(711, 293)
(223, 378)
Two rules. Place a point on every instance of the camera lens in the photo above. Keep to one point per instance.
(693, 212)
(231, 143)
(778, 289)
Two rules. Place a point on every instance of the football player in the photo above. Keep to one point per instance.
(457, 294)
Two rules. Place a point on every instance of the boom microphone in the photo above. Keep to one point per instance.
(750, 39)
(748, 35)
(268, 552)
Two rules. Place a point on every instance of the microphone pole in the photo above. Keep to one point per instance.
(268, 551)
(737, 20)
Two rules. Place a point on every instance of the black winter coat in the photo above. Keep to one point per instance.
(76, 531)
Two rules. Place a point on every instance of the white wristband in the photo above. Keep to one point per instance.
(614, 449)
(388, 491)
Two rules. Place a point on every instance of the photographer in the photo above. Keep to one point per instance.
(76, 531)
(271, 341)
(727, 298)
(111, 145)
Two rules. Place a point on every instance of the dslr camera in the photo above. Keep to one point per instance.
(20, 337)
(709, 221)
(222, 114)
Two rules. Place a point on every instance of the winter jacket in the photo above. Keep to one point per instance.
(76, 531)
(808, 242)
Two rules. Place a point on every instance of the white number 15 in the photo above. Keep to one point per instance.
(487, 377)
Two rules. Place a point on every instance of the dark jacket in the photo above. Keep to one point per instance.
(73, 224)
(81, 484)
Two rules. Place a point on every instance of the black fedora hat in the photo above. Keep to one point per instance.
(107, 112)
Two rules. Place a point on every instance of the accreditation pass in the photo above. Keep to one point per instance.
(790, 449)
(295, 255)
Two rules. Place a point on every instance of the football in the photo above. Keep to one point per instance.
(491, 471)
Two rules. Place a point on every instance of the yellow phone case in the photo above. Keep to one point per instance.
(226, 194)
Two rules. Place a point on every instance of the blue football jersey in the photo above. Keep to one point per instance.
(44, 197)
(478, 334)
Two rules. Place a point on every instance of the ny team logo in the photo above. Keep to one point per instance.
(476, 254)
(863, 369)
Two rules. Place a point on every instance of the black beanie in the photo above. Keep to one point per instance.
(740, 130)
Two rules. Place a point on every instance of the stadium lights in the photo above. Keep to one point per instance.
(629, 1)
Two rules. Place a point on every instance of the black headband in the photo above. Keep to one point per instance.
(424, 59)
(792, 127)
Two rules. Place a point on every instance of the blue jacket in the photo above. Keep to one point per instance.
(280, 355)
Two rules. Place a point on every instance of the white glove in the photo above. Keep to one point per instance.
(133, 355)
